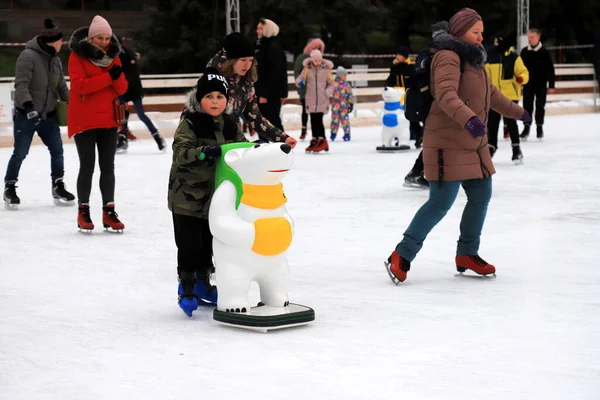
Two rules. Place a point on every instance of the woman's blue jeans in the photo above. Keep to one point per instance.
(441, 198)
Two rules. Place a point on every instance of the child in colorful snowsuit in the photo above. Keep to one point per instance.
(205, 125)
(342, 104)
(317, 79)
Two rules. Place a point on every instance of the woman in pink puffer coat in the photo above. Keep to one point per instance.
(317, 79)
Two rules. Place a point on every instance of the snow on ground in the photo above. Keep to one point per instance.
(95, 316)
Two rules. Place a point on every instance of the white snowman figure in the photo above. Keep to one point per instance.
(395, 133)
(252, 232)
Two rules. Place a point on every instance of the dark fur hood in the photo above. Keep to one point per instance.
(442, 40)
(80, 45)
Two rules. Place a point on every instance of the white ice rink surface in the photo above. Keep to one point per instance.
(95, 316)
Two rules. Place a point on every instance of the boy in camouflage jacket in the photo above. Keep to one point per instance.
(205, 125)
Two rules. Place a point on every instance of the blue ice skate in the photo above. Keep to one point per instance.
(188, 303)
(332, 136)
(206, 293)
(346, 137)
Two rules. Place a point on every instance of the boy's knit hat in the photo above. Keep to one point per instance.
(211, 81)
(99, 26)
(51, 33)
(403, 51)
(340, 71)
(237, 46)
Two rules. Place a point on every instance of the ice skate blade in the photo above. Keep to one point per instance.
(85, 231)
(414, 186)
(395, 280)
(64, 203)
(488, 276)
(11, 207)
(121, 151)
(266, 318)
(111, 230)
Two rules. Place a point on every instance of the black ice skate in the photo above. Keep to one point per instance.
(540, 132)
(160, 142)
(60, 194)
(517, 155)
(415, 179)
(11, 200)
(525, 134)
(122, 145)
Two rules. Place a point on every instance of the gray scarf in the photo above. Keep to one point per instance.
(104, 62)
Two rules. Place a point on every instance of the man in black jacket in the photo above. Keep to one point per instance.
(271, 87)
(541, 80)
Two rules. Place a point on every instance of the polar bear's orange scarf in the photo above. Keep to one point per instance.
(264, 197)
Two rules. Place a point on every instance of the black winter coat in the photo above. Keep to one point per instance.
(400, 74)
(135, 90)
(272, 69)
(540, 67)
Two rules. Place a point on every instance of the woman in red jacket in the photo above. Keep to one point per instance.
(96, 81)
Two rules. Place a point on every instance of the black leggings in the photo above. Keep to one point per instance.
(304, 114)
(494, 126)
(194, 245)
(86, 142)
(316, 125)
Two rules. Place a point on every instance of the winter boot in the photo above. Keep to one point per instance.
(517, 156)
(332, 137)
(416, 179)
(61, 196)
(540, 131)
(475, 264)
(346, 137)
(84, 222)
(122, 144)
(110, 219)
(492, 150)
(397, 267)
(206, 293)
(312, 145)
(303, 133)
(11, 200)
(187, 299)
(525, 134)
(321, 145)
(160, 142)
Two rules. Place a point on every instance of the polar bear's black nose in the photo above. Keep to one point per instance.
(286, 148)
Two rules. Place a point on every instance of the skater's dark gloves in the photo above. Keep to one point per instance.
(301, 84)
(526, 117)
(211, 153)
(115, 72)
(351, 108)
(475, 127)
(32, 115)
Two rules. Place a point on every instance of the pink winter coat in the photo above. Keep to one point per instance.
(319, 85)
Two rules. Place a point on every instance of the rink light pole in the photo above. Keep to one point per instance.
(522, 23)
(232, 11)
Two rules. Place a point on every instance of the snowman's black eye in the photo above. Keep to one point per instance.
(257, 146)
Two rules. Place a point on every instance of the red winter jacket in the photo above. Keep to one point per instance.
(92, 88)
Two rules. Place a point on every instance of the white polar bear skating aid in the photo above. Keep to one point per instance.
(395, 133)
(252, 232)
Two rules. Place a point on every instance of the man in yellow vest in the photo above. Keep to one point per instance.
(507, 72)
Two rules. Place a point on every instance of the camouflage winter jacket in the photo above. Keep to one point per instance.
(243, 103)
(191, 180)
